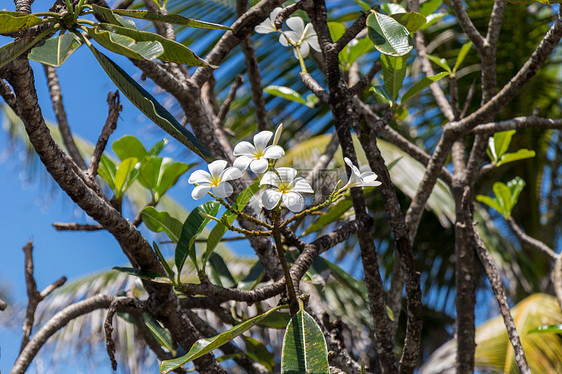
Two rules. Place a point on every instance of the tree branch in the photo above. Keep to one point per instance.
(110, 125)
(225, 107)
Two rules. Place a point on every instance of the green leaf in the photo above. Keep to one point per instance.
(423, 83)
(126, 173)
(11, 51)
(258, 352)
(55, 51)
(337, 29)
(358, 49)
(167, 18)
(144, 274)
(430, 6)
(193, 225)
(519, 155)
(173, 51)
(147, 104)
(433, 18)
(381, 94)
(547, 329)
(253, 278)
(503, 195)
(159, 174)
(330, 216)
(162, 221)
(204, 346)
(219, 230)
(491, 202)
(412, 21)
(440, 61)
(304, 346)
(286, 93)
(129, 146)
(515, 187)
(363, 4)
(15, 21)
(125, 45)
(389, 36)
(223, 277)
(162, 336)
(462, 54)
(276, 320)
(157, 148)
(164, 263)
(393, 72)
(107, 170)
(501, 142)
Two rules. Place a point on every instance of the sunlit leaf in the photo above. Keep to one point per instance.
(388, 35)
(462, 54)
(162, 221)
(56, 50)
(519, 155)
(286, 93)
(15, 21)
(129, 146)
(421, 84)
(144, 274)
(393, 71)
(412, 21)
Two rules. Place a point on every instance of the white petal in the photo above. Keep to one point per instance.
(270, 178)
(273, 152)
(274, 14)
(287, 174)
(368, 177)
(242, 162)
(244, 148)
(295, 53)
(278, 134)
(216, 167)
(261, 139)
(231, 173)
(354, 181)
(270, 198)
(297, 25)
(294, 201)
(301, 185)
(223, 190)
(265, 27)
(348, 162)
(283, 38)
(200, 191)
(199, 176)
(304, 49)
(313, 42)
(259, 166)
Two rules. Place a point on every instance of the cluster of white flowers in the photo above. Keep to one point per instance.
(300, 36)
(286, 186)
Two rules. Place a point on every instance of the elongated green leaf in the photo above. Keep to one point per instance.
(388, 35)
(381, 94)
(502, 140)
(491, 202)
(358, 49)
(330, 216)
(164, 262)
(162, 221)
(128, 146)
(126, 173)
(144, 274)
(204, 346)
(519, 155)
(107, 170)
(304, 346)
(253, 278)
(219, 230)
(547, 329)
(258, 352)
(515, 187)
(440, 61)
(286, 93)
(157, 148)
(11, 51)
(55, 51)
(160, 174)
(423, 83)
(147, 104)
(15, 21)
(173, 51)
(363, 4)
(167, 18)
(412, 21)
(223, 276)
(430, 6)
(193, 225)
(503, 194)
(393, 72)
(125, 45)
(161, 335)
(433, 18)
(462, 54)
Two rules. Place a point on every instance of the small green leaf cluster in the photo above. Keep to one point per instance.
(506, 196)
(498, 146)
(157, 174)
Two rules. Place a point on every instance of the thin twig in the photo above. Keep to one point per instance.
(531, 242)
(225, 107)
(108, 128)
(313, 86)
(60, 226)
(9, 97)
(518, 123)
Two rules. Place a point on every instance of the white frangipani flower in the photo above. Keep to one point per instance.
(304, 37)
(358, 179)
(288, 188)
(217, 180)
(268, 25)
(256, 155)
